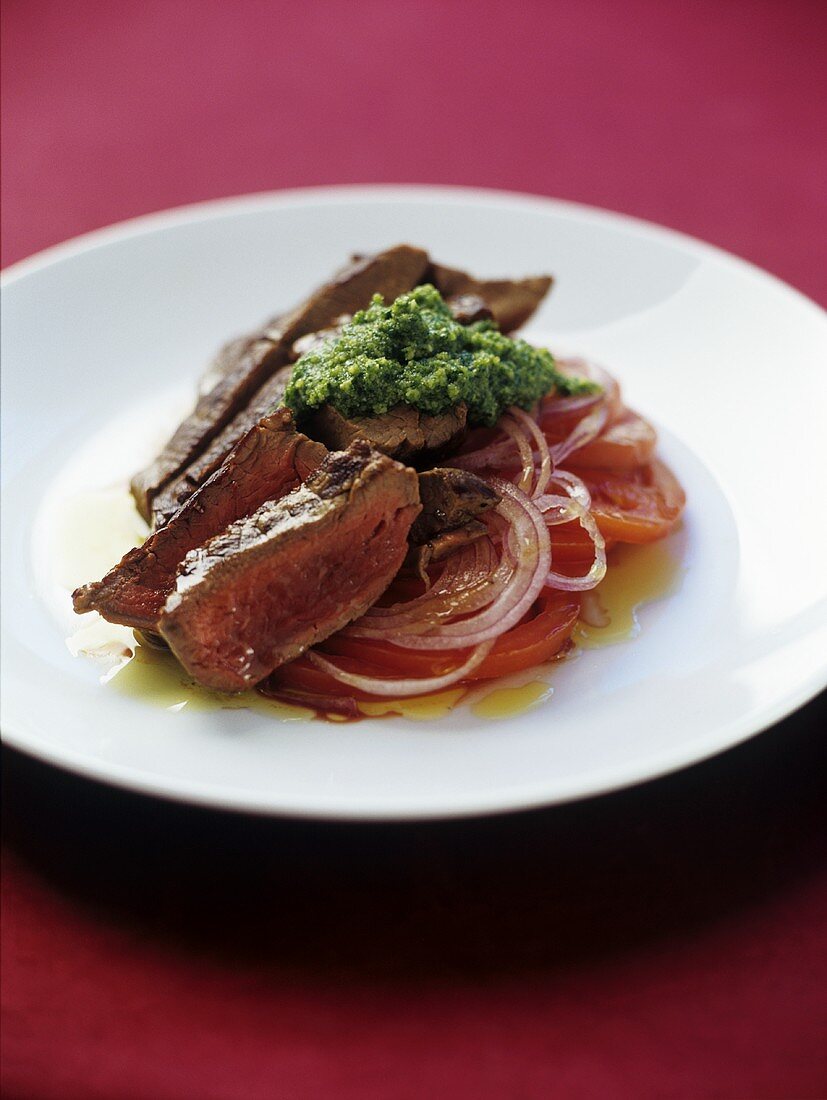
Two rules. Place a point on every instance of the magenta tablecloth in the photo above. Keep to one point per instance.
(668, 941)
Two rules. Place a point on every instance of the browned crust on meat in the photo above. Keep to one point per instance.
(401, 432)
(293, 572)
(269, 461)
(263, 402)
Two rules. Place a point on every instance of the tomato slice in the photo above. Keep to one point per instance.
(536, 639)
(540, 635)
(370, 656)
(636, 505)
(624, 445)
(572, 550)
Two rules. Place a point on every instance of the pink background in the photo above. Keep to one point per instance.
(663, 942)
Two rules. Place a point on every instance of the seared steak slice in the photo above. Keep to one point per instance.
(292, 573)
(243, 368)
(401, 432)
(263, 402)
(450, 498)
(450, 501)
(255, 362)
(268, 462)
(512, 301)
(389, 273)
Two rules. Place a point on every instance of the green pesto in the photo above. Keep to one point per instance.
(413, 352)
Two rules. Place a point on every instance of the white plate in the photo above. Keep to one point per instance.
(729, 362)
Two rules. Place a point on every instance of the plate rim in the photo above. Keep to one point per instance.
(204, 209)
(497, 800)
(494, 803)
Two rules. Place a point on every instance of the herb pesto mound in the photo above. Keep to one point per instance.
(413, 352)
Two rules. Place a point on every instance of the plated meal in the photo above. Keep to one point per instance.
(383, 493)
(102, 338)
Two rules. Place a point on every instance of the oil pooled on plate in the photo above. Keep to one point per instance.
(508, 702)
(637, 575)
(155, 676)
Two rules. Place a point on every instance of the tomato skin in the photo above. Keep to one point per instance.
(635, 505)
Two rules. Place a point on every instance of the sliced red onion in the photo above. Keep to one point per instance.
(583, 432)
(534, 550)
(516, 583)
(395, 688)
(450, 596)
(574, 486)
(598, 570)
(523, 432)
(533, 561)
(516, 432)
(425, 618)
(557, 509)
(546, 464)
(446, 582)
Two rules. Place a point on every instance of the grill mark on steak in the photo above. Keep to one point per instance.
(401, 432)
(270, 460)
(264, 401)
(292, 573)
(511, 301)
(242, 368)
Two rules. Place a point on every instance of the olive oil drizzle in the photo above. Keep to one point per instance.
(637, 575)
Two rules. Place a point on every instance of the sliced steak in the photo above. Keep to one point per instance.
(293, 572)
(511, 301)
(255, 362)
(401, 432)
(450, 498)
(176, 492)
(268, 462)
(242, 368)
